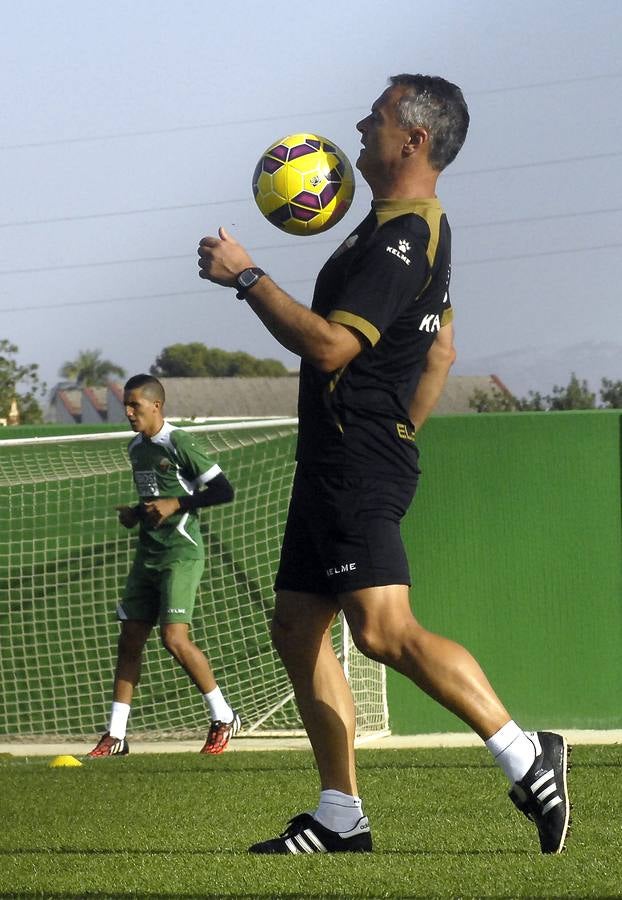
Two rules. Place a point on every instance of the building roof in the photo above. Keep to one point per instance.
(194, 398)
(98, 397)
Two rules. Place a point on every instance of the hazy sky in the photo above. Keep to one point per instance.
(131, 129)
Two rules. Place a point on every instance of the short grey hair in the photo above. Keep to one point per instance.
(438, 106)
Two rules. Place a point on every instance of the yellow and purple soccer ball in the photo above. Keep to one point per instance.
(303, 184)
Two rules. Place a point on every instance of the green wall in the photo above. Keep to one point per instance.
(515, 545)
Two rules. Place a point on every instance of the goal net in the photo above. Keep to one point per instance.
(63, 563)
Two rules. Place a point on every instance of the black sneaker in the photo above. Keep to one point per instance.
(542, 795)
(304, 835)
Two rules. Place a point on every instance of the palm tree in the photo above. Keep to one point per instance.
(89, 369)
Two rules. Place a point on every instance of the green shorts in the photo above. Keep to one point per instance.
(161, 592)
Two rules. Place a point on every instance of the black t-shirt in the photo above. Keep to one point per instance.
(389, 280)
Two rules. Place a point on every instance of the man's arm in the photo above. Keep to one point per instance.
(441, 356)
(216, 491)
(326, 345)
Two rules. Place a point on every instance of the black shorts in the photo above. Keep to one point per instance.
(343, 533)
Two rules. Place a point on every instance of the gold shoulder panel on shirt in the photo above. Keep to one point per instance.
(353, 321)
(428, 209)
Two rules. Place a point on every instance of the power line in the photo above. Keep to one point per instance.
(288, 246)
(154, 209)
(458, 264)
(526, 220)
(175, 129)
(535, 164)
(496, 259)
(126, 212)
(542, 84)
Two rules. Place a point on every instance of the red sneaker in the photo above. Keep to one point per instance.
(220, 733)
(110, 746)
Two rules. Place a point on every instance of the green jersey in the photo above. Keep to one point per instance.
(170, 464)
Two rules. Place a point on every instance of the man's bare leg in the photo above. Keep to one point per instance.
(384, 628)
(225, 721)
(301, 634)
(176, 639)
(132, 640)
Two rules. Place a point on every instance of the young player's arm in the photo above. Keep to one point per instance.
(327, 345)
(214, 492)
(440, 358)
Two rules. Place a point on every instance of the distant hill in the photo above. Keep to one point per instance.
(540, 368)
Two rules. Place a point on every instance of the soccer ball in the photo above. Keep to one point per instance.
(303, 184)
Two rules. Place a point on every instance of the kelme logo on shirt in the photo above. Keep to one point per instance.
(402, 248)
(341, 568)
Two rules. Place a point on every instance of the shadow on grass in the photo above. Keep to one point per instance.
(286, 770)
(228, 851)
(97, 895)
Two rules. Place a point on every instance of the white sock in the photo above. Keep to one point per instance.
(513, 750)
(219, 709)
(337, 811)
(118, 719)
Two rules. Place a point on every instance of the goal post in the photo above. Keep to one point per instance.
(63, 563)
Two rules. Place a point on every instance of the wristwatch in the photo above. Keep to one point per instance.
(246, 279)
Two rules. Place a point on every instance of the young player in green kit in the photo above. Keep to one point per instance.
(174, 479)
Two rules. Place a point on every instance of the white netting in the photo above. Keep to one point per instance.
(63, 562)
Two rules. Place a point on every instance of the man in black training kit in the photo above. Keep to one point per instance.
(376, 347)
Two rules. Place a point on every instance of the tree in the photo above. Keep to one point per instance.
(494, 400)
(89, 369)
(611, 394)
(195, 360)
(576, 395)
(19, 383)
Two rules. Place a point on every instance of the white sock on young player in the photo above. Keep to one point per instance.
(118, 719)
(337, 811)
(513, 750)
(219, 709)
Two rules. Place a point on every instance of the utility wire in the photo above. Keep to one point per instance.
(132, 212)
(126, 212)
(268, 247)
(458, 264)
(123, 135)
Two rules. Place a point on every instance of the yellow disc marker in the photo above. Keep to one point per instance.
(64, 761)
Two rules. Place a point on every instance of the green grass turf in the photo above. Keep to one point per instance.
(178, 825)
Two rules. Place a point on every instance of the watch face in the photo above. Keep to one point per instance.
(247, 278)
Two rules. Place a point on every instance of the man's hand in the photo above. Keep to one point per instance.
(157, 511)
(222, 259)
(128, 516)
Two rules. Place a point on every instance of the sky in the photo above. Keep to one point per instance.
(129, 130)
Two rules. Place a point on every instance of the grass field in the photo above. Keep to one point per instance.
(178, 825)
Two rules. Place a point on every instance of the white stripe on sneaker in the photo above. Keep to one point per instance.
(291, 846)
(298, 838)
(551, 789)
(315, 840)
(551, 804)
(538, 784)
